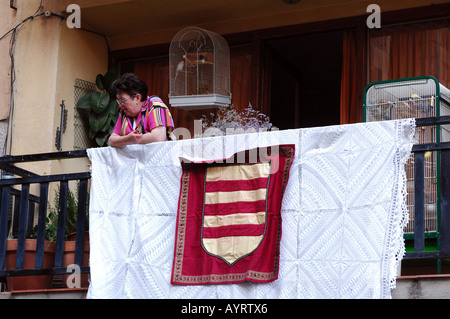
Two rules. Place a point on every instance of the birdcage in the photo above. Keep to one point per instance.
(414, 98)
(199, 66)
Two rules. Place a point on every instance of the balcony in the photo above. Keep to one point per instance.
(25, 206)
(35, 238)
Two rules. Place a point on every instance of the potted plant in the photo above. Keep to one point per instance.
(30, 282)
(102, 108)
(71, 232)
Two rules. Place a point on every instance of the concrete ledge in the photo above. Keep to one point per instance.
(408, 287)
(422, 287)
(75, 293)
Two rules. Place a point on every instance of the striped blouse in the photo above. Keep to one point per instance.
(154, 113)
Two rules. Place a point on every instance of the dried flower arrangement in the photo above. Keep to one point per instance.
(227, 120)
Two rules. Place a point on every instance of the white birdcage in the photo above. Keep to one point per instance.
(199, 66)
(414, 98)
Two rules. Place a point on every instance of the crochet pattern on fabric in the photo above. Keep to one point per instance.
(343, 213)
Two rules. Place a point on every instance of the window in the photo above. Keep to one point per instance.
(81, 138)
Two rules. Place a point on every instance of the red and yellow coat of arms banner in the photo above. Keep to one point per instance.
(229, 218)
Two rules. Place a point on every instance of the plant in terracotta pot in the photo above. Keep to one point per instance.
(71, 233)
(15, 283)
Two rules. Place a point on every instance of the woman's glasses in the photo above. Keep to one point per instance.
(124, 100)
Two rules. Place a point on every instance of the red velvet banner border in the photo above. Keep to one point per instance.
(192, 264)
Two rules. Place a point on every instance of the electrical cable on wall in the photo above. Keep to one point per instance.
(13, 32)
(12, 43)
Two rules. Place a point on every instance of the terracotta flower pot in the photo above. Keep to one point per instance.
(29, 282)
(69, 257)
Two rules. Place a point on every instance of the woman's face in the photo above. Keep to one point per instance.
(130, 105)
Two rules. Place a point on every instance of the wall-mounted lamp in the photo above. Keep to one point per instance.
(62, 127)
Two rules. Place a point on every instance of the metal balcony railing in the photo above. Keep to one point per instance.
(18, 207)
(421, 232)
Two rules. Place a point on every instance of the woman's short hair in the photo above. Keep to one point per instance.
(130, 84)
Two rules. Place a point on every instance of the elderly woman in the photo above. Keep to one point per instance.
(142, 119)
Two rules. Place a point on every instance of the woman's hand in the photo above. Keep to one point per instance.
(158, 134)
(134, 137)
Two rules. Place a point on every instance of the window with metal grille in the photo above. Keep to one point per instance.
(81, 138)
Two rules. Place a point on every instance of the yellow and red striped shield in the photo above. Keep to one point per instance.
(229, 218)
(234, 209)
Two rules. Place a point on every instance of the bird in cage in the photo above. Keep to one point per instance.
(421, 104)
(180, 68)
(404, 109)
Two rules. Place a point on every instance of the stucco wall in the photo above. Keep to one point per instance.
(6, 23)
(82, 55)
(48, 56)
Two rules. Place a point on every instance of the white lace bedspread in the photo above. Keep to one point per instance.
(343, 214)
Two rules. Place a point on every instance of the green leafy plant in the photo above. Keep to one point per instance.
(50, 232)
(71, 214)
(102, 108)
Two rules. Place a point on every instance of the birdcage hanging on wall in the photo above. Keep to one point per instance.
(417, 97)
(199, 66)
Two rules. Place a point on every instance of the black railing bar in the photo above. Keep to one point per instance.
(4, 210)
(42, 214)
(16, 212)
(45, 179)
(21, 234)
(43, 156)
(30, 214)
(438, 254)
(436, 120)
(16, 192)
(61, 223)
(16, 170)
(431, 147)
(419, 202)
(444, 222)
(81, 218)
(42, 271)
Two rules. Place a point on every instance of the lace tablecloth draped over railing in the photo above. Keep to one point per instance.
(343, 213)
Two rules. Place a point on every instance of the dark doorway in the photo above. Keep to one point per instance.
(305, 80)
